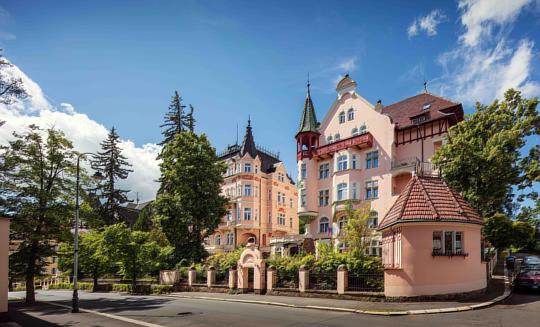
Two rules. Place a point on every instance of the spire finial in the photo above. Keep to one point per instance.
(425, 86)
(308, 83)
(249, 120)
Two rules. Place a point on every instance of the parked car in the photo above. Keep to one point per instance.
(527, 279)
(531, 261)
(510, 262)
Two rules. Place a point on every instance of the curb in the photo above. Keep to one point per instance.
(483, 305)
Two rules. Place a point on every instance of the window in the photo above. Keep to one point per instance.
(230, 239)
(324, 225)
(329, 139)
(281, 219)
(354, 131)
(342, 163)
(426, 106)
(353, 161)
(342, 117)
(54, 271)
(324, 170)
(269, 217)
(373, 220)
(448, 243)
(247, 168)
(342, 226)
(281, 198)
(291, 202)
(238, 214)
(290, 222)
(418, 119)
(303, 197)
(363, 129)
(218, 239)
(342, 191)
(350, 114)
(280, 177)
(229, 215)
(337, 137)
(372, 190)
(354, 192)
(247, 190)
(247, 213)
(303, 171)
(372, 159)
(324, 198)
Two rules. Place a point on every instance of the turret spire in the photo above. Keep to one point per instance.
(308, 122)
(248, 145)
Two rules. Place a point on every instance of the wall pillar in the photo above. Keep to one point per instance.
(303, 278)
(259, 279)
(242, 278)
(210, 276)
(192, 275)
(342, 279)
(233, 278)
(4, 262)
(271, 278)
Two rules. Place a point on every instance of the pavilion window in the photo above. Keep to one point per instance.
(437, 242)
(458, 243)
(448, 242)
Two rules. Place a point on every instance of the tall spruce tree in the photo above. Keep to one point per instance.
(113, 165)
(174, 119)
(190, 120)
(189, 204)
(38, 190)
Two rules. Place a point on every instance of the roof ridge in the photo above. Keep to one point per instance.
(430, 202)
(458, 205)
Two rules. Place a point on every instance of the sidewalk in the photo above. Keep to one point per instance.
(498, 290)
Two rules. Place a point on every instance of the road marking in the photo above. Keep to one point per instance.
(108, 315)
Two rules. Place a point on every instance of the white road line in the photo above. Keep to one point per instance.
(108, 315)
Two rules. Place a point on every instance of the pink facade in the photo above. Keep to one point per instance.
(363, 153)
(413, 270)
(4, 255)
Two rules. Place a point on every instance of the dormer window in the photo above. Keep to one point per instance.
(329, 139)
(426, 106)
(418, 119)
(354, 131)
(363, 129)
(342, 117)
(337, 137)
(247, 168)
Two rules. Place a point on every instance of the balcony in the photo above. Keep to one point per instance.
(286, 239)
(405, 165)
(362, 141)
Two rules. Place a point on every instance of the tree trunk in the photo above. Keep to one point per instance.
(94, 287)
(30, 294)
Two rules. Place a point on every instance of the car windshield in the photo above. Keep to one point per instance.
(530, 273)
(531, 260)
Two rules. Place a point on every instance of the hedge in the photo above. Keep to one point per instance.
(65, 286)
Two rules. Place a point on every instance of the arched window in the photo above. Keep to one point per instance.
(354, 131)
(337, 137)
(350, 114)
(363, 128)
(342, 117)
(218, 239)
(342, 191)
(323, 225)
(329, 139)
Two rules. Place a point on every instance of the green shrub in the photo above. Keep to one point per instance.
(161, 289)
(66, 286)
(124, 288)
(19, 289)
(292, 263)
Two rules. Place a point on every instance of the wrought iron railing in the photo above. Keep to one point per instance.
(322, 280)
(365, 281)
(286, 279)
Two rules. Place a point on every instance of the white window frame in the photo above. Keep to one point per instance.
(342, 117)
(247, 168)
(341, 191)
(247, 214)
(342, 162)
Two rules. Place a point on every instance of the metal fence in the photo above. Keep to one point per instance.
(222, 277)
(366, 281)
(286, 279)
(322, 280)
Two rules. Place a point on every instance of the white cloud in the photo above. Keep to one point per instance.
(480, 17)
(485, 63)
(427, 23)
(7, 36)
(347, 65)
(85, 133)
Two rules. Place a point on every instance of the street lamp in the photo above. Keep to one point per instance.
(98, 176)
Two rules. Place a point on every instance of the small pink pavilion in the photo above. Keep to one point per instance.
(432, 243)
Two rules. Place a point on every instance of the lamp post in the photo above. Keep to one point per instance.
(97, 175)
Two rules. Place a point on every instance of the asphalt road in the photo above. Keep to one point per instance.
(520, 310)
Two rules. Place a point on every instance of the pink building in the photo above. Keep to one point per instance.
(364, 153)
(4, 263)
(432, 242)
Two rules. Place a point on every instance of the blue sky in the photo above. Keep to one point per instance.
(118, 62)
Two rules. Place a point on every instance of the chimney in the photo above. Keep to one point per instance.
(379, 106)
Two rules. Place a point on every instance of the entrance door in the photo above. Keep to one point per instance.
(251, 274)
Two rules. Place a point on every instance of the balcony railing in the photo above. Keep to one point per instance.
(405, 163)
(360, 141)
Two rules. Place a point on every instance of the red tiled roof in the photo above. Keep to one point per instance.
(401, 112)
(429, 199)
